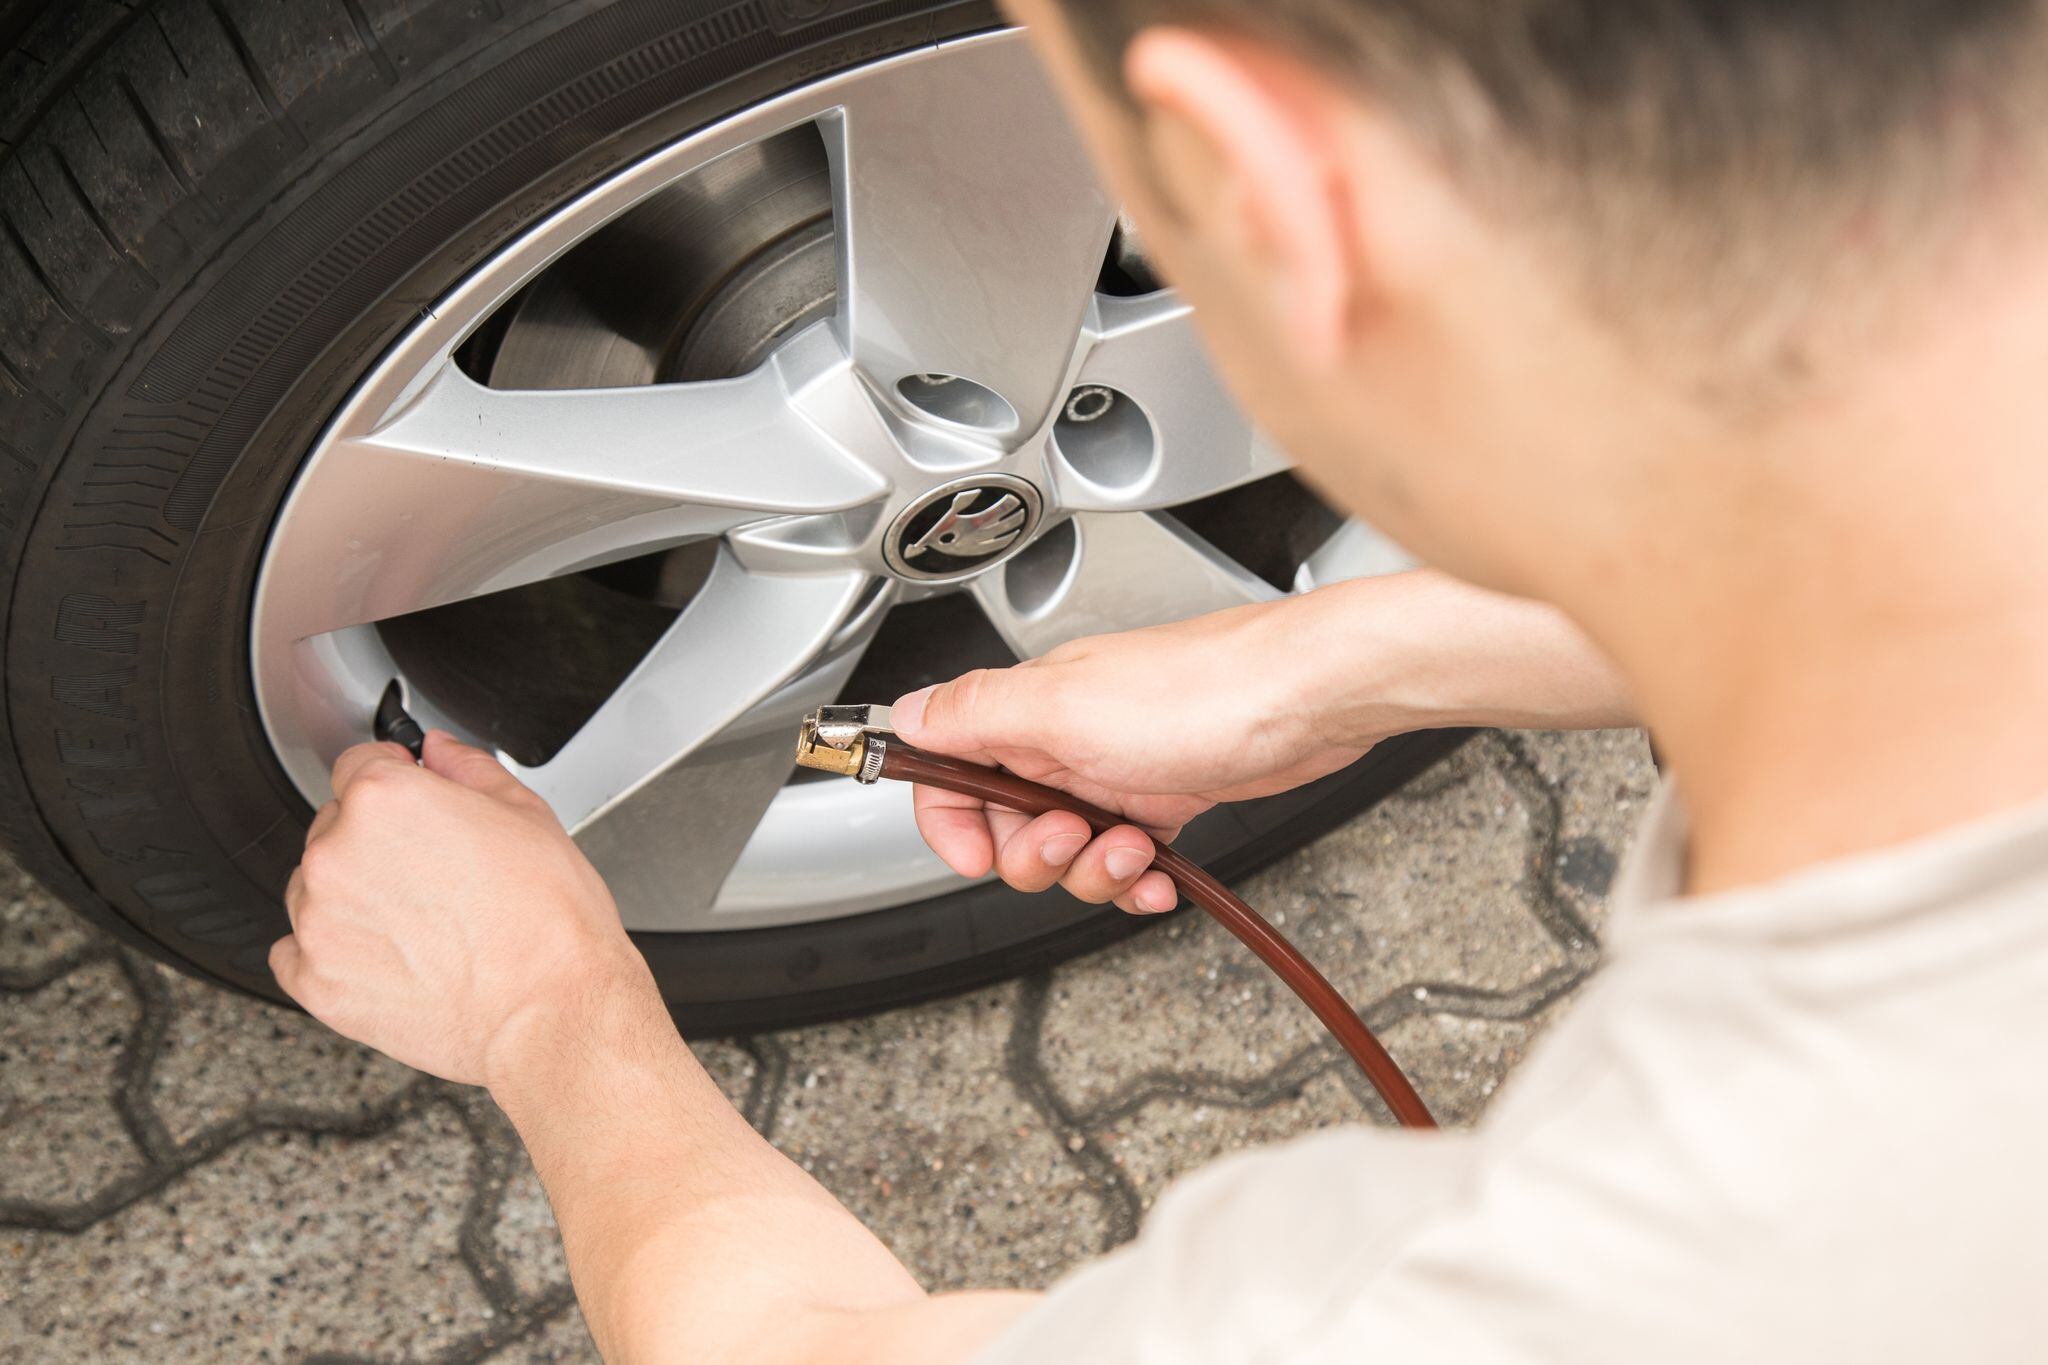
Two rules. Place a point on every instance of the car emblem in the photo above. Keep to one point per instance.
(962, 527)
(970, 532)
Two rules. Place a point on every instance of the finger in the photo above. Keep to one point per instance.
(956, 828)
(363, 758)
(470, 766)
(1152, 894)
(1003, 826)
(286, 964)
(988, 708)
(1035, 855)
(295, 895)
(323, 820)
(1110, 866)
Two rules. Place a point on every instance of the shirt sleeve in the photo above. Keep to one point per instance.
(1252, 1257)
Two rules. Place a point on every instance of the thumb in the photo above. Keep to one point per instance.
(970, 715)
(285, 965)
(468, 766)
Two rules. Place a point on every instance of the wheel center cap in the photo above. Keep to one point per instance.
(963, 527)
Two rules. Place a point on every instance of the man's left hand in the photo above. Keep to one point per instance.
(441, 909)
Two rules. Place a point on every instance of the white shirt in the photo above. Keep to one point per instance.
(1802, 1122)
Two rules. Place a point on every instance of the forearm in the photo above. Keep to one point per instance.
(1422, 650)
(688, 1236)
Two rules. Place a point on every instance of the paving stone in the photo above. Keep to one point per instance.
(562, 1341)
(284, 1245)
(1427, 889)
(1456, 1063)
(524, 1233)
(1169, 1138)
(61, 1137)
(36, 930)
(1603, 780)
(912, 1121)
(227, 1055)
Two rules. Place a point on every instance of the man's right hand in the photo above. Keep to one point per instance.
(1161, 724)
(1157, 724)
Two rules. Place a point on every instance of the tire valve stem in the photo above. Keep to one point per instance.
(395, 724)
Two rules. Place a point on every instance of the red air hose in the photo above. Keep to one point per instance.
(902, 763)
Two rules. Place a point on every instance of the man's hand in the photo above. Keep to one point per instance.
(1162, 724)
(442, 916)
(1157, 724)
(440, 909)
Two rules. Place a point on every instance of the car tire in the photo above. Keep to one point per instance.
(216, 213)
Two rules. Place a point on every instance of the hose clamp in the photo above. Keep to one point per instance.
(870, 772)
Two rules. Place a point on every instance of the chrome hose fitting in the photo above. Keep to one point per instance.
(847, 740)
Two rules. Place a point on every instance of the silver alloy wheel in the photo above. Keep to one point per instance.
(970, 233)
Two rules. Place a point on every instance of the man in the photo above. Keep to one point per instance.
(1721, 327)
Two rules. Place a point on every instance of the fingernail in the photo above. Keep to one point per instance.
(907, 715)
(1059, 850)
(1157, 899)
(1125, 863)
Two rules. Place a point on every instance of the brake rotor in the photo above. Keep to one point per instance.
(700, 282)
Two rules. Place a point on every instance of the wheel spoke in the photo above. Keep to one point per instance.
(468, 490)
(742, 638)
(666, 781)
(972, 227)
(1147, 349)
(1120, 571)
(1354, 550)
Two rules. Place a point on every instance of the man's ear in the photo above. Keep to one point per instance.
(1317, 187)
(1251, 161)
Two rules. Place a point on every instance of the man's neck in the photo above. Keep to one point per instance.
(1852, 651)
(1818, 750)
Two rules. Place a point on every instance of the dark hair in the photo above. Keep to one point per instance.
(1739, 125)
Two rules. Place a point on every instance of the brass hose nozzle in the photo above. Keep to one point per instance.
(846, 740)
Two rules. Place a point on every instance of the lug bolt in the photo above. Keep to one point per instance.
(1090, 403)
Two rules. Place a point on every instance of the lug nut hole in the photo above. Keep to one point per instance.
(1106, 438)
(1034, 580)
(959, 401)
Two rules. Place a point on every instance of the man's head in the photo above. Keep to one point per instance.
(1507, 275)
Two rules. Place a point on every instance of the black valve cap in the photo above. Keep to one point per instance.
(393, 723)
